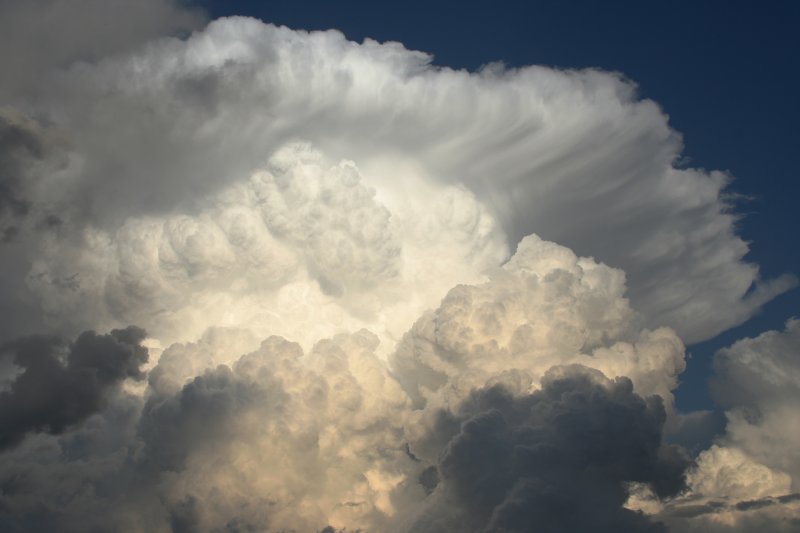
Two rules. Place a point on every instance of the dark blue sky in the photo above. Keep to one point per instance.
(726, 72)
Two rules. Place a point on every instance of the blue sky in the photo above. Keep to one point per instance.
(726, 72)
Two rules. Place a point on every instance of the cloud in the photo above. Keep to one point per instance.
(30, 153)
(573, 156)
(757, 382)
(59, 385)
(44, 34)
(277, 440)
(316, 235)
(16, 142)
(299, 248)
(747, 480)
(33, 158)
(545, 307)
(727, 472)
(556, 460)
(284, 437)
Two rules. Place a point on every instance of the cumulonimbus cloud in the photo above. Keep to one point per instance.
(317, 235)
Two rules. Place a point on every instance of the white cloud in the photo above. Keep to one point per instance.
(729, 492)
(299, 248)
(573, 156)
(727, 472)
(546, 307)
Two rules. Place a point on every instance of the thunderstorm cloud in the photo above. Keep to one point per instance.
(263, 279)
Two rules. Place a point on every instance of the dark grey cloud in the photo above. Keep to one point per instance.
(559, 459)
(198, 415)
(60, 385)
(698, 509)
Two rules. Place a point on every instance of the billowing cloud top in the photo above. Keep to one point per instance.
(358, 316)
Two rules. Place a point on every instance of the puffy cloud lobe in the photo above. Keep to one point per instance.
(347, 236)
(59, 386)
(728, 472)
(546, 307)
(301, 248)
(342, 377)
(198, 415)
(280, 439)
(573, 156)
(556, 460)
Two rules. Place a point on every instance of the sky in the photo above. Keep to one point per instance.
(305, 266)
